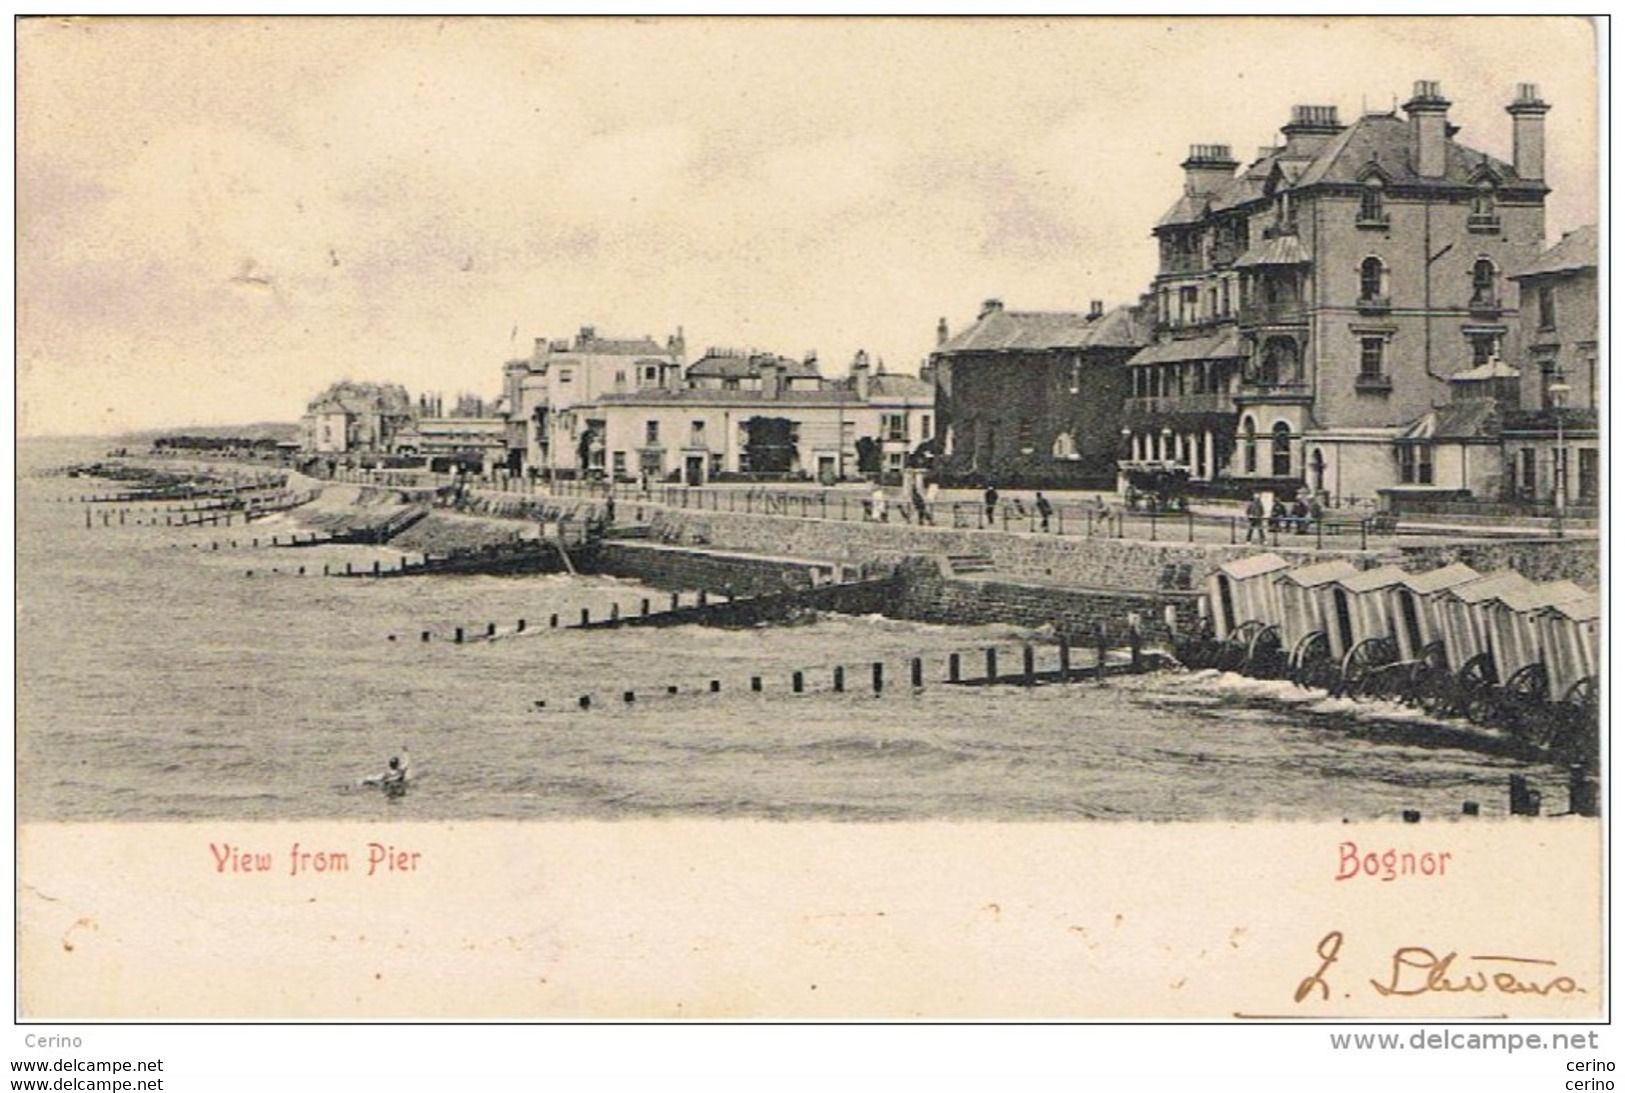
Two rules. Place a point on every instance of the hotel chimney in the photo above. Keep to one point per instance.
(942, 330)
(1428, 110)
(1208, 167)
(1097, 309)
(1529, 132)
(860, 375)
(1310, 129)
(989, 306)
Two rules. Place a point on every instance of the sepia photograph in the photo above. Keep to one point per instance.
(855, 519)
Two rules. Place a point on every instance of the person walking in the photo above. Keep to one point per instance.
(1255, 519)
(990, 500)
(1044, 510)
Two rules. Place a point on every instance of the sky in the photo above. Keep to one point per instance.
(219, 217)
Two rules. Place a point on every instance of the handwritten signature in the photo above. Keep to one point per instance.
(1415, 970)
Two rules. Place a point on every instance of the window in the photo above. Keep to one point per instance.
(1484, 348)
(1024, 434)
(1371, 279)
(1548, 376)
(1548, 308)
(1483, 216)
(1416, 464)
(1589, 364)
(925, 426)
(1371, 203)
(895, 427)
(1483, 283)
(1371, 358)
(696, 434)
(1249, 447)
(620, 377)
(1588, 474)
(1188, 304)
(619, 464)
(651, 374)
(1281, 450)
(565, 375)
(1064, 447)
(651, 433)
(1224, 297)
(1530, 469)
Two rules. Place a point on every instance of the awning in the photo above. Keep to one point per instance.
(1213, 347)
(1283, 250)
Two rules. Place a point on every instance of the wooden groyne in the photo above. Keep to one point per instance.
(879, 680)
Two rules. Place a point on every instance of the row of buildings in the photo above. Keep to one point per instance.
(632, 409)
(1366, 309)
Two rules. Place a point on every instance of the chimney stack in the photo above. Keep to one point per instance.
(585, 336)
(942, 330)
(1529, 132)
(860, 374)
(1208, 167)
(768, 369)
(1310, 128)
(1428, 110)
(676, 346)
(989, 306)
(1097, 308)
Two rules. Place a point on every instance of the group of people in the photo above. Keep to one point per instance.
(1303, 513)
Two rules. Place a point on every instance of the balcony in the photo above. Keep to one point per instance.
(1375, 384)
(1485, 304)
(1280, 313)
(1379, 222)
(1263, 390)
(1142, 408)
(1373, 305)
(1484, 223)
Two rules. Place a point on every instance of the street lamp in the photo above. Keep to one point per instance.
(1558, 391)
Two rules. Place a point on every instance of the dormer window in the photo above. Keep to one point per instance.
(1371, 210)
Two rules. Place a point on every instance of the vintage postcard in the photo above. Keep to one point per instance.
(1067, 518)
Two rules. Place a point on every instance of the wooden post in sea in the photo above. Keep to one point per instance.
(953, 667)
(1065, 651)
(1028, 673)
(839, 679)
(878, 671)
(992, 664)
(916, 674)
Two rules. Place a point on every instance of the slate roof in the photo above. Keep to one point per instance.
(1385, 140)
(897, 385)
(1376, 141)
(741, 366)
(1036, 330)
(1467, 418)
(1576, 251)
(619, 347)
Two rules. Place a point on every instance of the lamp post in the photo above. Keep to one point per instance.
(1558, 391)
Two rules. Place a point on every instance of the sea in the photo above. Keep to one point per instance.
(158, 681)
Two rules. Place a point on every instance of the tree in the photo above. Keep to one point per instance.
(868, 455)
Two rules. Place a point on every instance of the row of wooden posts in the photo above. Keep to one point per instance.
(1030, 675)
(462, 635)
